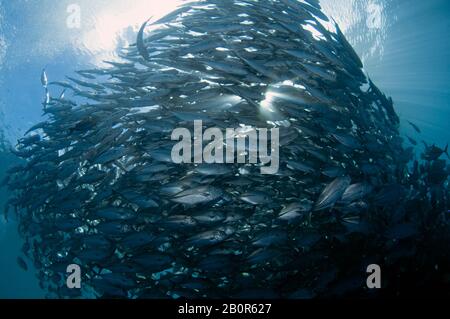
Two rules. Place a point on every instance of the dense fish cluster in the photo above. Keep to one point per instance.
(98, 187)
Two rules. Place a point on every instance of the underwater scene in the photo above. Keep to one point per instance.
(217, 149)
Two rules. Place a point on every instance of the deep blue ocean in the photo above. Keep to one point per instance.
(404, 44)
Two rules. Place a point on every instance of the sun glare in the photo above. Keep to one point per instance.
(117, 25)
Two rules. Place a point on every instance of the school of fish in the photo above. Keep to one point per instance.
(97, 186)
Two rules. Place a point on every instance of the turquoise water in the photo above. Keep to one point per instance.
(404, 44)
(14, 282)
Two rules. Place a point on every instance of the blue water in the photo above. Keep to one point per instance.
(405, 45)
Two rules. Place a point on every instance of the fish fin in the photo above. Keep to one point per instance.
(140, 41)
(446, 151)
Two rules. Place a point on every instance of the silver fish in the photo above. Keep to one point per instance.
(332, 193)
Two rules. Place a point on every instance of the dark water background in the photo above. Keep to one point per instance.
(14, 282)
(406, 51)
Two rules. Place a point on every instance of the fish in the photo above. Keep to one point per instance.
(302, 167)
(270, 238)
(356, 192)
(199, 195)
(215, 264)
(263, 255)
(389, 194)
(47, 99)
(118, 280)
(44, 79)
(209, 218)
(415, 127)
(22, 264)
(230, 68)
(115, 213)
(347, 140)
(255, 198)
(113, 228)
(433, 152)
(296, 210)
(62, 95)
(332, 193)
(153, 262)
(179, 222)
(137, 240)
(213, 170)
(412, 141)
(207, 238)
